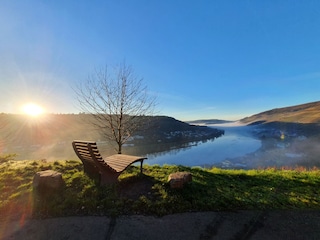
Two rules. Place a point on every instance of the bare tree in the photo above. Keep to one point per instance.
(117, 100)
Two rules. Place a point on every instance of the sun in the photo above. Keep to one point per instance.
(32, 109)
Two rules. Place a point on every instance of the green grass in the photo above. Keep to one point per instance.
(211, 189)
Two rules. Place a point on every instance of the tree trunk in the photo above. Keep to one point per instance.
(119, 147)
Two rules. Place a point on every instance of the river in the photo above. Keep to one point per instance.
(236, 142)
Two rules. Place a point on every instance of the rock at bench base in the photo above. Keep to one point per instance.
(179, 179)
(48, 179)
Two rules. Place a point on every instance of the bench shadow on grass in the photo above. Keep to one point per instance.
(134, 186)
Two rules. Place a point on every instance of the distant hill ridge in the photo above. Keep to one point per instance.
(303, 113)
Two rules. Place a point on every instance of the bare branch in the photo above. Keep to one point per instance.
(116, 101)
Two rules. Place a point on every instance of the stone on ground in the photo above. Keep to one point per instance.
(179, 179)
(48, 179)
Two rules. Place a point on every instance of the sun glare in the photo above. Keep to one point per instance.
(32, 109)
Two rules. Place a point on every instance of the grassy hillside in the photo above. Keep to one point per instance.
(210, 190)
(304, 113)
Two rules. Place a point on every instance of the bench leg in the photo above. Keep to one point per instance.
(141, 162)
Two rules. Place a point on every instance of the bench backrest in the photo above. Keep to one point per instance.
(82, 150)
(89, 154)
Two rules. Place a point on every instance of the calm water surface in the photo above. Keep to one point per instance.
(236, 142)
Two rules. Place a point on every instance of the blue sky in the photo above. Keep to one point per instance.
(203, 59)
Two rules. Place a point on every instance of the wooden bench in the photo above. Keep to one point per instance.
(104, 170)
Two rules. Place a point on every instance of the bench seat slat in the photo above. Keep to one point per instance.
(120, 161)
